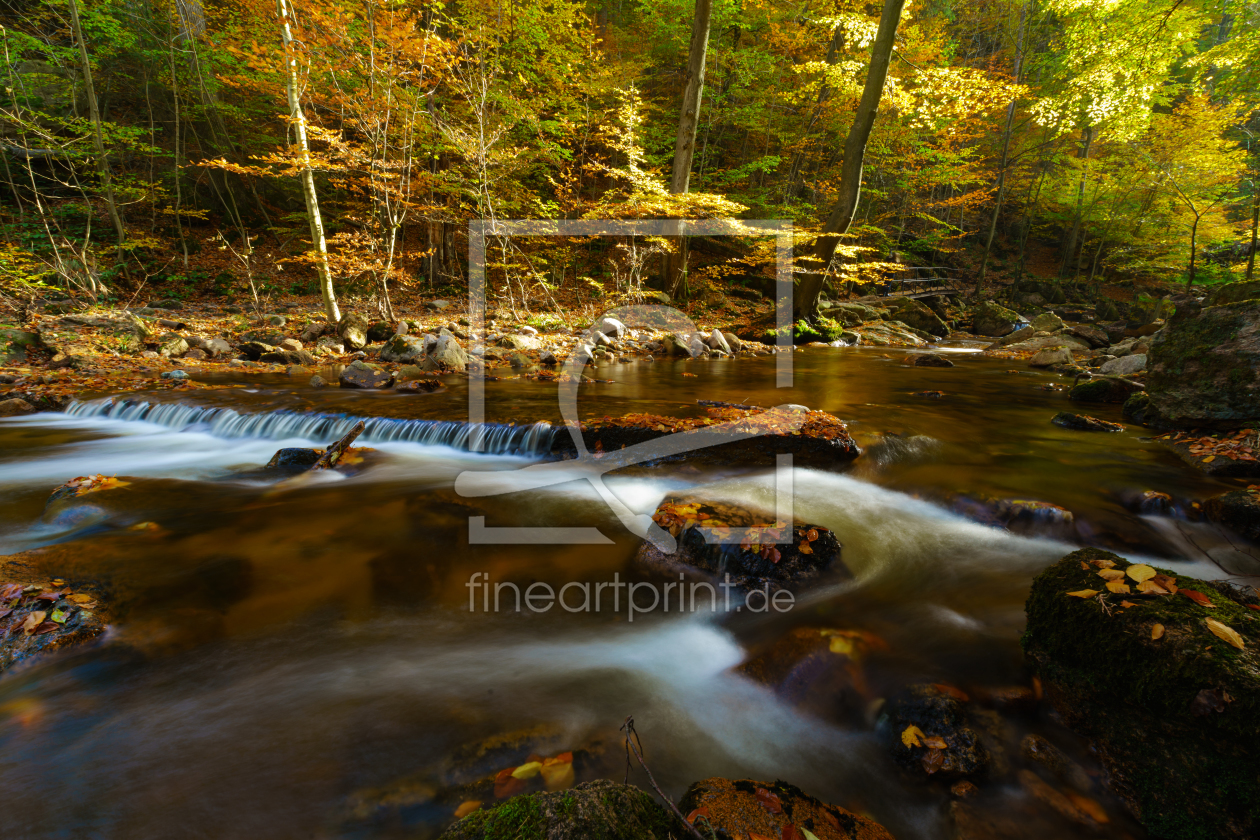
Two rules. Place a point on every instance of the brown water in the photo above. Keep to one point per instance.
(284, 647)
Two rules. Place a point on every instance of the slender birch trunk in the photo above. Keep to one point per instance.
(98, 135)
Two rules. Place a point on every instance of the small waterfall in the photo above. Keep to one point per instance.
(490, 438)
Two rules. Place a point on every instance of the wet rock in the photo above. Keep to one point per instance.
(1049, 796)
(823, 439)
(1186, 769)
(933, 360)
(819, 670)
(927, 733)
(1104, 389)
(1084, 423)
(1238, 510)
(288, 357)
(988, 318)
(697, 348)
(518, 360)
(1048, 322)
(175, 375)
(1022, 334)
(38, 617)
(216, 347)
(15, 407)
(403, 348)
(419, 386)
(1053, 760)
(747, 808)
(352, 329)
(599, 809)
(362, 375)
(445, 353)
(253, 350)
(313, 331)
(1203, 369)
(1093, 335)
(735, 342)
(610, 326)
(1125, 365)
(318, 381)
(295, 459)
(173, 347)
(770, 567)
(716, 341)
(675, 344)
(1051, 356)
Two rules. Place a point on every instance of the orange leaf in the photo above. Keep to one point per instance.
(1198, 597)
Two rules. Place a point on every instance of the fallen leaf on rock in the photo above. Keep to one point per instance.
(1224, 631)
(1104, 563)
(933, 761)
(557, 772)
(1111, 574)
(1167, 582)
(698, 812)
(769, 801)
(59, 616)
(1140, 572)
(1198, 597)
(1150, 587)
(807, 834)
(1127, 604)
(10, 591)
(528, 770)
(910, 737)
(1090, 807)
(80, 598)
(32, 621)
(811, 534)
(934, 742)
(1157, 632)
(1118, 586)
(1084, 593)
(467, 808)
(505, 785)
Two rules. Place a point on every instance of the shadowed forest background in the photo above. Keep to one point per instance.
(187, 148)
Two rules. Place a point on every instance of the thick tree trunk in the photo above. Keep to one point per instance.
(1006, 148)
(298, 118)
(851, 169)
(685, 143)
(98, 136)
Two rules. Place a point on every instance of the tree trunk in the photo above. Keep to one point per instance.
(851, 169)
(685, 144)
(1070, 244)
(1006, 148)
(98, 136)
(1255, 225)
(298, 118)
(1194, 234)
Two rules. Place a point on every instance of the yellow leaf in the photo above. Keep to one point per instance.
(1140, 572)
(1157, 632)
(467, 808)
(806, 833)
(911, 736)
(1084, 593)
(1224, 631)
(841, 645)
(1151, 587)
(558, 776)
(1209, 459)
(1111, 574)
(527, 771)
(1118, 586)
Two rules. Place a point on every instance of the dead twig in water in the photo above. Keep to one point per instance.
(633, 743)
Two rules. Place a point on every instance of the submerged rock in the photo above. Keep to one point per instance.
(747, 808)
(38, 617)
(1169, 702)
(933, 360)
(928, 734)
(599, 810)
(1104, 389)
(1084, 423)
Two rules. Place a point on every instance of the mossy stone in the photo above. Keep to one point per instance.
(1186, 774)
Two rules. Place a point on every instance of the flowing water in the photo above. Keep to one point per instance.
(288, 644)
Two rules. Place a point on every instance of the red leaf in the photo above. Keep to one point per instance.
(1198, 597)
(699, 812)
(9, 591)
(505, 785)
(790, 833)
(769, 801)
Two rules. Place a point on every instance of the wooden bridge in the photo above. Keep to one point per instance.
(916, 286)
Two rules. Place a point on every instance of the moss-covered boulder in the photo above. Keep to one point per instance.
(1104, 389)
(1157, 682)
(734, 810)
(989, 318)
(599, 810)
(1238, 510)
(1202, 368)
(920, 316)
(1234, 292)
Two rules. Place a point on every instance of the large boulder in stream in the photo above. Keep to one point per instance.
(918, 315)
(598, 810)
(753, 549)
(1238, 510)
(747, 436)
(1203, 369)
(989, 318)
(362, 375)
(1104, 389)
(1161, 672)
(736, 809)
